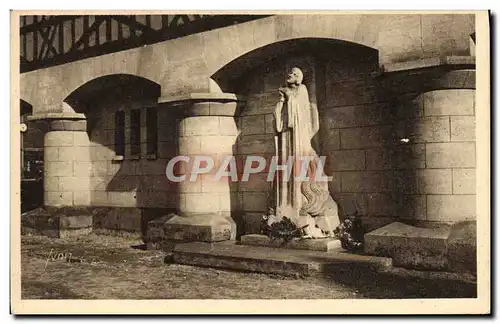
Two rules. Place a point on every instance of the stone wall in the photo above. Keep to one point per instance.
(399, 153)
(395, 147)
(135, 181)
(185, 65)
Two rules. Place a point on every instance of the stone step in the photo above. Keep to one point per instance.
(443, 248)
(287, 262)
(324, 244)
(410, 246)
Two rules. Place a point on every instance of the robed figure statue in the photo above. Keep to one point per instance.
(301, 188)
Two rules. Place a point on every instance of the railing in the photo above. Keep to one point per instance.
(52, 40)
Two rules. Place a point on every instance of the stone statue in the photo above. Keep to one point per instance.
(298, 194)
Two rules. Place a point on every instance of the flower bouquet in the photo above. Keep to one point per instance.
(351, 234)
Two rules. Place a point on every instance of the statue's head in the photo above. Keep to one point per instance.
(295, 76)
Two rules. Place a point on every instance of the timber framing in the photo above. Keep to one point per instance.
(53, 40)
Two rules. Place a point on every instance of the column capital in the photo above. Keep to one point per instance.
(452, 62)
(451, 72)
(64, 121)
(57, 116)
(203, 104)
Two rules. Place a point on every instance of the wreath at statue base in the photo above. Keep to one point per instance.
(350, 232)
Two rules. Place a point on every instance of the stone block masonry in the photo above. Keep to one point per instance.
(204, 208)
(397, 144)
(410, 157)
(67, 169)
(394, 148)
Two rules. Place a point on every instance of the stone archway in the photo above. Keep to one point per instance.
(82, 166)
(328, 65)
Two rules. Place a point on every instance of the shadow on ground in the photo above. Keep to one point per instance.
(400, 283)
(119, 268)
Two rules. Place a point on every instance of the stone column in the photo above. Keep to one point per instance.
(67, 163)
(206, 127)
(449, 179)
(444, 184)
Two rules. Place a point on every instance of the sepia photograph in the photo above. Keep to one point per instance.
(277, 162)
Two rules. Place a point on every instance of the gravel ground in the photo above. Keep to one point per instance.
(109, 267)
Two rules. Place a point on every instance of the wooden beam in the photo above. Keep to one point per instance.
(86, 35)
(133, 31)
(35, 40)
(207, 22)
(120, 30)
(133, 24)
(85, 29)
(97, 32)
(73, 31)
(177, 18)
(109, 35)
(164, 21)
(24, 50)
(61, 37)
(37, 25)
(48, 36)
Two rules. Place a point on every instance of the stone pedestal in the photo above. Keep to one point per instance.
(58, 222)
(67, 163)
(325, 245)
(410, 246)
(206, 127)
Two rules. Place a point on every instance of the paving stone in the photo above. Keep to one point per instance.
(286, 262)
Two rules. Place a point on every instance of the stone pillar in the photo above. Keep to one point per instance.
(449, 179)
(206, 127)
(443, 182)
(446, 180)
(67, 163)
